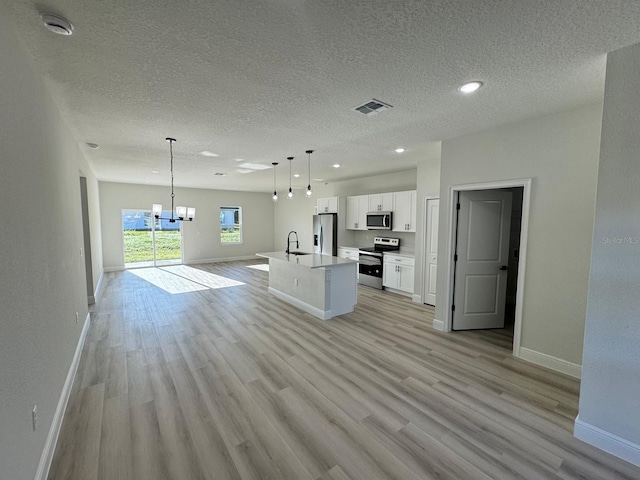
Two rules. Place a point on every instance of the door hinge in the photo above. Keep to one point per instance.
(453, 308)
(455, 257)
(457, 206)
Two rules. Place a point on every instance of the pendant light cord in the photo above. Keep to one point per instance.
(171, 140)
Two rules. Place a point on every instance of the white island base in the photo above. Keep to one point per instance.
(321, 285)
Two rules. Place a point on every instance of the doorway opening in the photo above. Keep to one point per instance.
(149, 241)
(486, 257)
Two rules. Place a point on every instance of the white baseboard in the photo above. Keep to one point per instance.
(113, 269)
(606, 441)
(316, 312)
(553, 363)
(98, 293)
(438, 325)
(54, 431)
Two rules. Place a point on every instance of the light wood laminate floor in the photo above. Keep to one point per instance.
(198, 373)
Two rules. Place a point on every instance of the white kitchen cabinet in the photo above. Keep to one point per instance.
(357, 208)
(404, 211)
(351, 254)
(327, 205)
(398, 272)
(381, 202)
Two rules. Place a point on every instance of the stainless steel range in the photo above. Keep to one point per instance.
(370, 259)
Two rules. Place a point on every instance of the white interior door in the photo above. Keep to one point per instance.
(431, 251)
(480, 286)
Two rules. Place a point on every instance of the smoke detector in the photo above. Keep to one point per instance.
(372, 107)
(57, 24)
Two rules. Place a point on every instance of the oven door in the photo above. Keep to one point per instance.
(370, 268)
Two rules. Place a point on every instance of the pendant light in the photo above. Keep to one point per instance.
(275, 193)
(181, 213)
(290, 194)
(309, 152)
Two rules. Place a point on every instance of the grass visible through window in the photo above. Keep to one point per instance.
(138, 245)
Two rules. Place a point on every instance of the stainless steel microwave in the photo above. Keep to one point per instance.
(379, 221)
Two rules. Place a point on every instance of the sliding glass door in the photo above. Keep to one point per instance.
(149, 242)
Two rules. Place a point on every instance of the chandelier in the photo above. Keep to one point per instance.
(181, 213)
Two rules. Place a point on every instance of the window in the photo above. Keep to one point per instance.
(230, 225)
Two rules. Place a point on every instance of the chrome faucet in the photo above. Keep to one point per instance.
(289, 242)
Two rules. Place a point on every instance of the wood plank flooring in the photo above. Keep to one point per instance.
(198, 373)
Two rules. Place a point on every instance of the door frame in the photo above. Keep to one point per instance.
(525, 183)
(424, 273)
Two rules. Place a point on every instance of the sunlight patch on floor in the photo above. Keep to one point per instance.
(182, 279)
(202, 277)
(168, 282)
(260, 266)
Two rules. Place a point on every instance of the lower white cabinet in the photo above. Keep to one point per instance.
(398, 272)
(350, 253)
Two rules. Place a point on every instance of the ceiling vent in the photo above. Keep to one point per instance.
(57, 24)
(372, 107)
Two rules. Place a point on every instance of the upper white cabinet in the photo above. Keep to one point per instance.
(404, 211)
(381, 202)
(357, 208)
(327, 205)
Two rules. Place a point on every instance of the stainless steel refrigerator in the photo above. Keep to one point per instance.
(325, 234)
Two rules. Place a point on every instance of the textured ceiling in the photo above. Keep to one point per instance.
(262, 80)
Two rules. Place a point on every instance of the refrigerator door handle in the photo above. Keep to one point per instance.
(321, 240)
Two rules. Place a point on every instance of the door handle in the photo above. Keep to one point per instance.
(504, 267)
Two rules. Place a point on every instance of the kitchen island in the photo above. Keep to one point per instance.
(321, 285)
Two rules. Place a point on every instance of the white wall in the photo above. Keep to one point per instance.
(560, 153)
(610, 388)
(42, 284)
(428, 186)
(201, 238)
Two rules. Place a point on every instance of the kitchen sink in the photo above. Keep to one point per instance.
(300, 253)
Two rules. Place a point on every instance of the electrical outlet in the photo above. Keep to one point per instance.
(295, 282)
(77, 317)
(34, 417)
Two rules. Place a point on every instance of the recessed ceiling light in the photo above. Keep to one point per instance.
(244, 170)
(469, 87)
(239, 159)
(218, 174)
(318, 179)
(57, 24)
(207, 153)
(155, 171)
(399, 150)
(297, 175)
(93, 146)
(336, 165)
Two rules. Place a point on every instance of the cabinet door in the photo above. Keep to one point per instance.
(353, 213)
(381, 202)
(405, 278)
(327, 205)
(332, 205)
(389, 275)
(363, 208)
(404, 211)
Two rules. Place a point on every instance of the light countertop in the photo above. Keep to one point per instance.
(311, 261)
